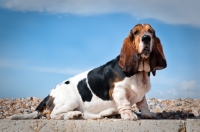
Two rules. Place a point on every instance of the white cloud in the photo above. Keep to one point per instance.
(185, 89)
(188, 86)
(161, 79)
(172, 88)
(170, 11)
(12, 63)
(68, 71)
(20, 64)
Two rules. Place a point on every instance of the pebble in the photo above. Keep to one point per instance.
(19, 111)
(1, 100)
(164, 109)
(195, 112)
(164, 114)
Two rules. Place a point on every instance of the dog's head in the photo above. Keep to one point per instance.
(141, 44)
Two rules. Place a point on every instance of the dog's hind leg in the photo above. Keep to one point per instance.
(64, 114)
(73, 115)
(66, 111)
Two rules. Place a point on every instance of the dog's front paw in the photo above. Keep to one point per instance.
(128, 115)
(148, 115)
(73, 115)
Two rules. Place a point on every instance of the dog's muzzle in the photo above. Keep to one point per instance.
(146, 39)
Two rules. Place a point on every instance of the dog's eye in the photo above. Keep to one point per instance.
(136, 32)
(150, 31)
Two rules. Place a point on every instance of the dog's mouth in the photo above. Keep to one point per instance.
(145, 52)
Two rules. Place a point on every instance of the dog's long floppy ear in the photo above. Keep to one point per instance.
(129, 59)
(157, 57)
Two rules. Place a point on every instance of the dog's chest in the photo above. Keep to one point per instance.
(136, 86)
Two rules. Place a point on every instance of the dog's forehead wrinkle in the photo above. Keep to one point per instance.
(138, 26)
(143, 28)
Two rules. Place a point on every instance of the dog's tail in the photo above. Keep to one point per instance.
(38, 113)
(33, 115)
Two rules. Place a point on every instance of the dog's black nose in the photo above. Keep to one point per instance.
(146, 38)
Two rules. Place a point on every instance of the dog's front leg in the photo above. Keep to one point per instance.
(143, 107)
(120, 96)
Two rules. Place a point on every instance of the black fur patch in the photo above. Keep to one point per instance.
(46, 103)
(67, 82)
(84, 91)
(101, 79)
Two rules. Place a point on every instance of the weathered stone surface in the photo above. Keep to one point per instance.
(110, 125)
(193, 125)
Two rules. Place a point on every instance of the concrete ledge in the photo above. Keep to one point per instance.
(193, 125)
(104, 125)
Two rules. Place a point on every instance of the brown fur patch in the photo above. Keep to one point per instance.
(129, 57)
(49, 107)
(112, 85)
(46, 106)
(50, 103)
(159, 47)
(157, 57)
(47, 113)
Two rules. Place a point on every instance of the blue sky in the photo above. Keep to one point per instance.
(45, 42)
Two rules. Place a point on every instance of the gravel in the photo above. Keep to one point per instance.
(165, 109)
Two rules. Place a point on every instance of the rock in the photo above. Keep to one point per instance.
(178, 99)
(178, 103)
(189, 100)
(195, 112)
(152, 104)
(19, 111)
(164, 114)
(1, 101)
(6, 113)
(176, 116)
(158, 110)
(32, 108)
(17, 105)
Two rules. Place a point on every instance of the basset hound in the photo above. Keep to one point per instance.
(111, 88)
